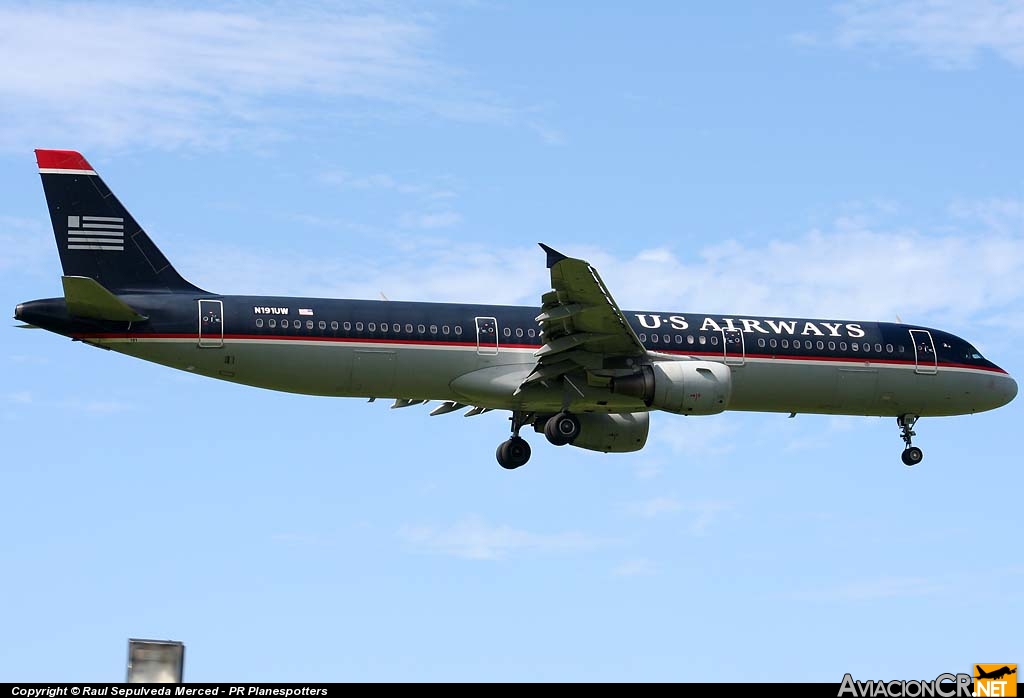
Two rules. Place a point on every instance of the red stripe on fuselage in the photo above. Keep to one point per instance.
(473, 345)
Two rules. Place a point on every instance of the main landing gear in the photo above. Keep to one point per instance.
(560, 429)
(515, 452)
(912, 455)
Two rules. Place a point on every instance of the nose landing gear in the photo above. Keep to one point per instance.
(912, 455)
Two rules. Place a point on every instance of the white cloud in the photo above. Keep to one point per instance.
(429, 221)
(707, 513)
(22, 397)
(853, 269)
(638, 567)
(97, 407)
(474, 539)
(699, 439)
(874, 590)
(27, 244)
(655, 507)
(113, 75)
(414, 269)
(437, 188)
(949, 33)
(704, 513)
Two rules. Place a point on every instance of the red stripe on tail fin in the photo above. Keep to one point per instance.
(61, 160)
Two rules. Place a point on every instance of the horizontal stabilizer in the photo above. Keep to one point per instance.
(87, 298)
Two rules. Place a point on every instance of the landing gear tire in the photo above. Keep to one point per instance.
(513, 453)
(912, 455)
(562, 429)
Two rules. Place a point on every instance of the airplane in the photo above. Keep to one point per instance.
(995, 673)
(576, 368)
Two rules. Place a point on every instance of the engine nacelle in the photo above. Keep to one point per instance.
(682, 387)
(613, 433)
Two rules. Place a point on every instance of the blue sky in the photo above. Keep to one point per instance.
(855, 161)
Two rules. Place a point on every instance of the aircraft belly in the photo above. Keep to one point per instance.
(857, 389)
(461, 374)
(333, 369)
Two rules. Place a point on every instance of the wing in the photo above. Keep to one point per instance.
(581, 325)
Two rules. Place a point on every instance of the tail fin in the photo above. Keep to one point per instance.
(96, 236)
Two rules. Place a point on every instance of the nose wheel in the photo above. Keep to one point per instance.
(912, 455)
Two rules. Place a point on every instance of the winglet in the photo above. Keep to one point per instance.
(554, 256)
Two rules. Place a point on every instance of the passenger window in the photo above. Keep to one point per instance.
(761, 342)
(322, 325)
(665, 338)
(421, 329)
(458, 329)
(507, 332)
(679, 339)
(842, 346)
(900, 347)
(397, 328)
(888, 348)
(297, 324)
(445, 329)
(821, 344)
(878, 348)
(855, 346)
(371, 326)
(259, 322)
(773, 342)
(309, 324)
(785, 344)
(530, 332)
(359, 327)
(643, 336)
(383, 327)
(519, 332)
(831, 346)
(654, 338)
(703, 340)
(433, 329)
(714, 339)
(689, 339)
(271, 323)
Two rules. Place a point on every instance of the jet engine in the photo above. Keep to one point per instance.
(681, 387)
(612, 433)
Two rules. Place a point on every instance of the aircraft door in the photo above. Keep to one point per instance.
(211, 323)
(735, 349)
(486, 336)
(924, 352)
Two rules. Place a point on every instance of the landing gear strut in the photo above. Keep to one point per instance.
(515, 452)
(912, 455)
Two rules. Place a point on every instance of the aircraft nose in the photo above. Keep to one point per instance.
(17, 311)
(1009, 387)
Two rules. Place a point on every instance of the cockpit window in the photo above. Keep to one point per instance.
(971, 353)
